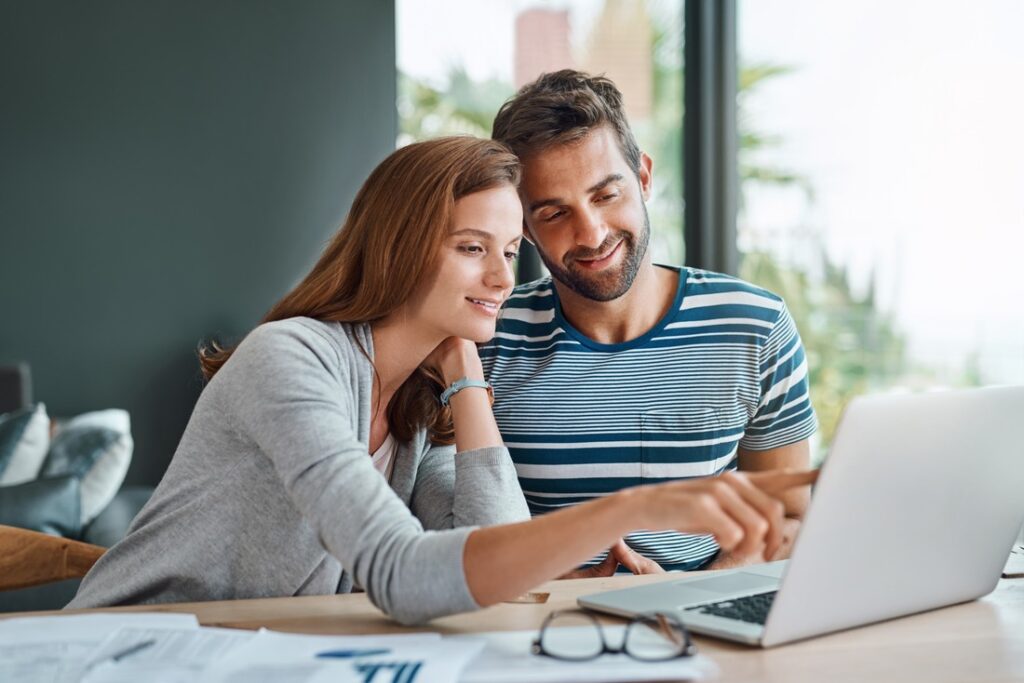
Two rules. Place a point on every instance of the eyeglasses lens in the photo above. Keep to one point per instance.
(654, 639)
(572, 636)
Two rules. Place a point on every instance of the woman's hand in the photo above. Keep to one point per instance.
(790, 530)
(742, 511)
(455, 358)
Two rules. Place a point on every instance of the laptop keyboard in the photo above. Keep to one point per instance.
(751, 608)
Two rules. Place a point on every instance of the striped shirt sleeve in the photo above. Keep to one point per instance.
(784, 413)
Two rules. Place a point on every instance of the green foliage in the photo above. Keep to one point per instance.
(851, 345)
(663, 140)
(751, 142)
(462, 106)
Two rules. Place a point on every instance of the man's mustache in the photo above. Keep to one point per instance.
(584, 253)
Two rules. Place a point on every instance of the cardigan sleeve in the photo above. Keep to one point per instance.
(472, 488)
(290, 393)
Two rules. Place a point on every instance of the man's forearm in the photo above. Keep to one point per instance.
(792, 456)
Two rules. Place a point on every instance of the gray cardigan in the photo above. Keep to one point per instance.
(272, 492)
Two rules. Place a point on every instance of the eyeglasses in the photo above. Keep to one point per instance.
(577, 636)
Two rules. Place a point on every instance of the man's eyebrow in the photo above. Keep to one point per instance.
(608, 179)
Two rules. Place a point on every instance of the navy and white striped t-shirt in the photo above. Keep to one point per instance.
(723, 369)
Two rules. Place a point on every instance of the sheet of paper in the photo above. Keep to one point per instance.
(291, 658)
(54, 649)
(507, 658)
(175, 656)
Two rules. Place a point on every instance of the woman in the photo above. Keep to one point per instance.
(280, 485)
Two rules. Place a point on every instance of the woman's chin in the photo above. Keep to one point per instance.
(478, 335)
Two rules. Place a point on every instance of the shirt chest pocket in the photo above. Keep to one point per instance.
(680, 444)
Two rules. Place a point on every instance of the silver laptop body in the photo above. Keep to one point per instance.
(916, 508)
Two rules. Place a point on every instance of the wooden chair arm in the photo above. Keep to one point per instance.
(29, 558)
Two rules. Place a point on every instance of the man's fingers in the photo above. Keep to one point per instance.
(607, 566)
(790, 530)
(634, 561)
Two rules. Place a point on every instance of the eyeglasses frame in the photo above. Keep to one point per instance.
(663, 621)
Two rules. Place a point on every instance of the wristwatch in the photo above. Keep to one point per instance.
(464, 383)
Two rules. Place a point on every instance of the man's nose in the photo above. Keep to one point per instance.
(590, 229)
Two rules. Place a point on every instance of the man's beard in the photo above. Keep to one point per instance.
(604, 286)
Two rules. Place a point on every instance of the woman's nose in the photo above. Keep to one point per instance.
(500, 274)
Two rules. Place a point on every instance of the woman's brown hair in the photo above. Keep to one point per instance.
(387, 247)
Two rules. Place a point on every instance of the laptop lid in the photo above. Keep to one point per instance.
(916, 508)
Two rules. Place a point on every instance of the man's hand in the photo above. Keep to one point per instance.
(620, 553)
(790, 529)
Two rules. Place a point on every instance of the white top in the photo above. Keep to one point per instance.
(383, 458)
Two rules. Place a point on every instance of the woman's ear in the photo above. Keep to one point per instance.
(526, 234)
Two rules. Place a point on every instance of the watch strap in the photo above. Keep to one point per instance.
(460, 384)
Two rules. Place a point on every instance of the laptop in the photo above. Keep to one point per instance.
(917, 507)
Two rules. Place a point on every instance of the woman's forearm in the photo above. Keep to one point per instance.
(743, 512)
(474, 422)
(502, 562)
(471, 408)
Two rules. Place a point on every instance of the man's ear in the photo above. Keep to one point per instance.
(646, 175)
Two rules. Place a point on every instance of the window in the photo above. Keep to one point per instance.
(456, 85)
(882, 170)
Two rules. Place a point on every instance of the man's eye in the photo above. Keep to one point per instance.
(554, 216)
(511, 255)
(607, 197)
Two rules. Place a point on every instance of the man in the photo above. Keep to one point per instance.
(615, 371)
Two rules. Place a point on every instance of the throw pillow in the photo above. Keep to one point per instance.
(49, 505)
(24, 438)
(97, 449)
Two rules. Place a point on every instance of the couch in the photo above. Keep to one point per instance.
(51, 505)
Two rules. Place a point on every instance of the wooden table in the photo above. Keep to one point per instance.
(981, 641)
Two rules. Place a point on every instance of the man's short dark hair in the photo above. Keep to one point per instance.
(563, 107)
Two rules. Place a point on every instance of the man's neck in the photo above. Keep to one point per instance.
(631, 315)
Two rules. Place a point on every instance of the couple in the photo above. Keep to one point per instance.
(319, 456)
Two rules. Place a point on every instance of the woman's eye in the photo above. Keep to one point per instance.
(511, 255)
(471, 248)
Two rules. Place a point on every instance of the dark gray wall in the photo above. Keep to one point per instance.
(167, 171)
